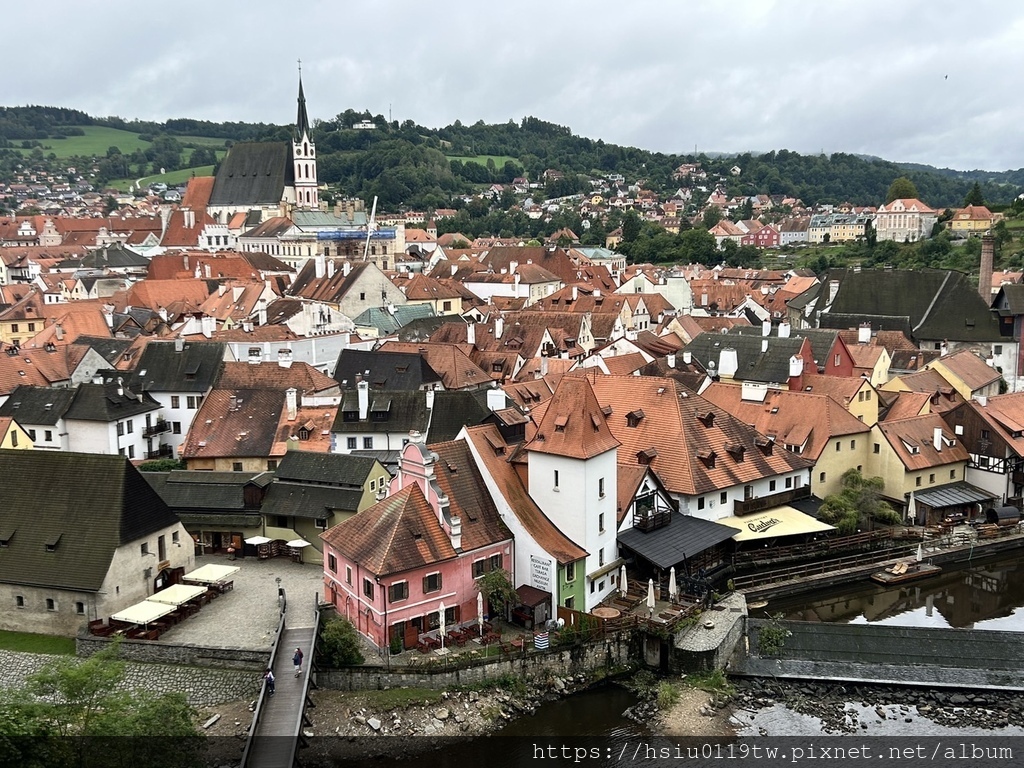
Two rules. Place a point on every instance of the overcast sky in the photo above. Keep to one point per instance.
(912, 81)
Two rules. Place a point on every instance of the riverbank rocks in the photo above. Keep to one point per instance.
(986, 710)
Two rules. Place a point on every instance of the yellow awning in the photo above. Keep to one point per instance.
(772, 523)
(211, 573)
(143, 613)
(176, 594)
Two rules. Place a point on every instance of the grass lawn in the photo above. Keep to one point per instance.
(1014, 223)
(28, 642)
(171, 179)
(499, 160)
(96, 141)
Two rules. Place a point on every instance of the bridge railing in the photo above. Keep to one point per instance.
(305, 683)
(261, 699)
(822, 566)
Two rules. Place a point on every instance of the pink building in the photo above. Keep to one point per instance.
(389, 568)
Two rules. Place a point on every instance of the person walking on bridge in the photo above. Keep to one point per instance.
(268, 676)
(297, 661)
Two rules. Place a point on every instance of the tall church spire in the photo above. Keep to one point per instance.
(301, 120)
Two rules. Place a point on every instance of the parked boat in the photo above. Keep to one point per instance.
(903, 572)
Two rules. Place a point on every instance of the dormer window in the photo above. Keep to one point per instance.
(51, 543)
(303, 433)
(735, 450)
(707, 418)
(633, 418)
(707, 458)
(5, 538)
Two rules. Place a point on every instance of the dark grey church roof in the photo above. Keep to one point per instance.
(254, 173)
(92, 504)
(684, 537)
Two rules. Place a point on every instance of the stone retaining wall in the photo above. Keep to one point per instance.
(603, 656)
(204, 687)
(189, 655)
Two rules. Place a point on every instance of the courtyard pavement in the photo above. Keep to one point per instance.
(247, 616)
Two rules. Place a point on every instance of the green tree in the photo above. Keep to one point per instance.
(712, 215)
(341, 642)
(858, 504)
(901, 188)
(630, 226)
(974, 197)
(496, 587)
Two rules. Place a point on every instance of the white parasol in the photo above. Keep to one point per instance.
(650, 595)
(920, 552)
(912, 510)
(298, 543)
(480, 612)
(673, 589)
(440, 616)
(623, 584)
(257, 540)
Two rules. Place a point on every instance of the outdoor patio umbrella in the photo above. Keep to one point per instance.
(912, 510)
(650, 595)
(480, 612)
(298, 543)
(257, 540)
(440, 616)
(673, 590)
(623, 584)
(920, 552)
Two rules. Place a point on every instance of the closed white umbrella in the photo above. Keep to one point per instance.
(912, 510)
(440, 609)
(673, 590)
(623, 584)
(920, 552)
(480, 612)
(650, 595)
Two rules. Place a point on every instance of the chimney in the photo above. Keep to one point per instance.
(456, 524)
(796, 373)
(784, 330)
(179, 344)
(496, 399)
(209, 325)
(430, 399)
(512, 266)
(346, 268)
(320, 265)
(982, 400)
(222, 289)
(499, 327)
(415, 436)
(687, 358)
(363, 390)
(575, 292)
(291, 402)
(727, 363)
(864, 333)
(937, 439)
(120, 387)
(58, 332)
(108, 315)
(330, 267)
(670, 360)
(766, 328)
(284, 358)
(764, 344)
(988, 245)
(261, 312)
(471, 334)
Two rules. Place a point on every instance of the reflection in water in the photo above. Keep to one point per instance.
(985, 595)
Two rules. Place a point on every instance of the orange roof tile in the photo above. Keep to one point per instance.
(573, 424)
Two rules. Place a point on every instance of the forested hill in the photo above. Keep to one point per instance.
(408, 164)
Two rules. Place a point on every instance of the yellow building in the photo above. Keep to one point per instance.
(974, 219)
(12, 435)
(915, 454)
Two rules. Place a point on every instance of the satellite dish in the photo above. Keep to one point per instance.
(711, 364)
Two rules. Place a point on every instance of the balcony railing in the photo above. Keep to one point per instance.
(155, 429)
(761, 503)
(163, 452)
(651, 520)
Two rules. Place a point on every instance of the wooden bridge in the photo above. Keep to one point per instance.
(276, 732)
